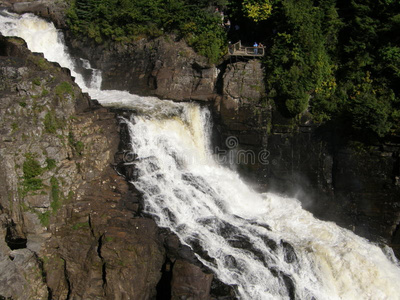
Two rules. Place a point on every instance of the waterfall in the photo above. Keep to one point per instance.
(264, 245)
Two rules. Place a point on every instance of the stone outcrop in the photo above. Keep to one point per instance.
(47, 9)
(163, 67)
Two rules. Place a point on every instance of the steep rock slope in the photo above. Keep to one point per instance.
(68, 225)
(71, 227)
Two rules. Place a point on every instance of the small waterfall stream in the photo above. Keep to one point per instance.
(265, 245)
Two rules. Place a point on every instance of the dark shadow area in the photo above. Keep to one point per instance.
(164, 285)
(13, 240)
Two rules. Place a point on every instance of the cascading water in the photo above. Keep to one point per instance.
(264, 245)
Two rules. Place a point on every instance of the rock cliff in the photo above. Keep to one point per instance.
(71, 227)
(338, 179)
(299, 158)
(162, 67)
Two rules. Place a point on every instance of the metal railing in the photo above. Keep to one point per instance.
(238, 50)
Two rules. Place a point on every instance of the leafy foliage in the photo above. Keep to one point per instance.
(340, 60)
(337, 60)
(126, 20)
(257, 10)
(298, 63)
(31, 169)
(64, 88)
(51, 122)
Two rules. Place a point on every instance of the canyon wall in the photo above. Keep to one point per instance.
(354, 185)
(73, 227)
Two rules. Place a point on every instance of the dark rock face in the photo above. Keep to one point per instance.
(163, 67)
(47, 9)
(345, 182)
(189, 280)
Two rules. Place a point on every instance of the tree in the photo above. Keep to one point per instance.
(257, 10)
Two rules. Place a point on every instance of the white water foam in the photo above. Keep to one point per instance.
(242, 235)
(265, 245)
(42, 36)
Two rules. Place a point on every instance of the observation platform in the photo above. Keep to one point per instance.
(238, 50)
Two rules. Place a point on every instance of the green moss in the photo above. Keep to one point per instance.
(70, 196)
(36, 81)
(22, 103)
(44, 218)
(16, 40)
(45, 92)
(51, 163)
(77, 146)
(51, 122)
(64, 88)
(41, 62)
(80, 225)
(31, 169)
(31, 166)
(14, 126)
(24, 207)
(109, 239)
(55, 195)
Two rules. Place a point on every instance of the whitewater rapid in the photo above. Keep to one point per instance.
(265, 245)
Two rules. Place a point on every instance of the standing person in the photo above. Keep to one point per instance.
(255, 48)
(261, 46)
(227, 24)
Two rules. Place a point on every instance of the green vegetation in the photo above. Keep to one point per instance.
(45, 93)
(31, 169)
(32, 184)
(80, 225)
(338, 61)
(14, 126)
(64, 88)
(77, 146)
(41, 62)
(50, 163)
(36, 81)
(44, 218)
(109, 239)
(52, 123)
(128, 20)
(55, 195)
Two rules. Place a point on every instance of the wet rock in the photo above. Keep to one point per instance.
(189, 282)
(46, 9)
(21, 276)
(164, 67)
(244, 81)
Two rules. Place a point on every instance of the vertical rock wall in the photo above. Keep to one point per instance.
(343, 181)
(69, 226)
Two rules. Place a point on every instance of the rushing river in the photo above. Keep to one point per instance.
(265, 245)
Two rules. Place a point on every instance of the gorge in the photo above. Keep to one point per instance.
(262, 244)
